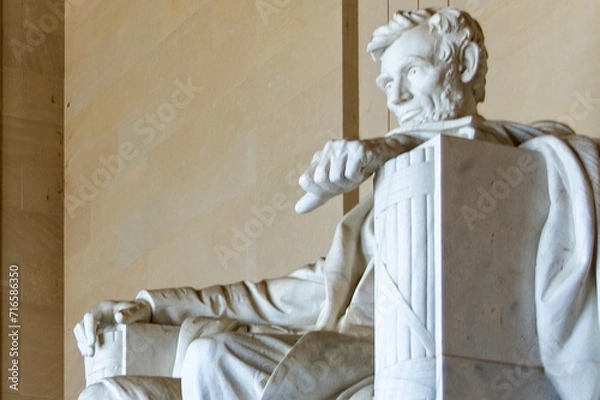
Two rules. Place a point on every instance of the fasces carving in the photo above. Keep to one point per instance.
(476, 240)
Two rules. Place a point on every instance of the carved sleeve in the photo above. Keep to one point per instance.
(291, 301)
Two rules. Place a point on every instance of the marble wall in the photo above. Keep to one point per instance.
(31, 237)
(187, 123)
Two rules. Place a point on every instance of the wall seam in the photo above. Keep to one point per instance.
(350, 95)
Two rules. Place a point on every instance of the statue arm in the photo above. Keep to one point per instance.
(292, 301)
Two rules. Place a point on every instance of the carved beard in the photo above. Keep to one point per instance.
(451, 98)
(449, 103)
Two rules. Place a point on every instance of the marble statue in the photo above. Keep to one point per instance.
(309, 335)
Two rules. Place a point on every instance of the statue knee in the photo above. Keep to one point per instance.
(132, 387)
(201, 367)
(201, 354)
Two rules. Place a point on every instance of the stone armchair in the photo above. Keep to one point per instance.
(457, 224)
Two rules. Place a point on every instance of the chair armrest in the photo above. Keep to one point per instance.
(134, 349)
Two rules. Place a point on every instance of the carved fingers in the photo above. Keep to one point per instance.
(130, 312)
(343, 165)
(108, 313)
(84, 342)
(330, 173)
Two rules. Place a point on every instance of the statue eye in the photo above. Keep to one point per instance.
(384, 82)
(413, 71)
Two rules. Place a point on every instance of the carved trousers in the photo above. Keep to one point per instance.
(227, 365)
(232, 365)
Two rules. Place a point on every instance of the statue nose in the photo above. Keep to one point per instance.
(405, 96)
(400, 94)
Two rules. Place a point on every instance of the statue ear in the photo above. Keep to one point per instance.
(470, 62)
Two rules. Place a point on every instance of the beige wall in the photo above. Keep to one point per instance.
(32, 198)
(189, 188)
(271, 94)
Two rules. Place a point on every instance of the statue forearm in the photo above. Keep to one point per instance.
(292, 301)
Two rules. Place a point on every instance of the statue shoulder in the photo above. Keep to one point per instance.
(553, 128)
(518, 133)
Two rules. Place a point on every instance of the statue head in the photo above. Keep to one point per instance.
(433, 64)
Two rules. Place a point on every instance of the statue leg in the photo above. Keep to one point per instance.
(232, 365)
(133, 388)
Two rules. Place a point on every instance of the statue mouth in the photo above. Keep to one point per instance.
(407, 116)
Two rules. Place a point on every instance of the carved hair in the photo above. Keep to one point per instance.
(456, 28)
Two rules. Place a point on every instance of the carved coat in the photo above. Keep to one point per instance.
(330, 303)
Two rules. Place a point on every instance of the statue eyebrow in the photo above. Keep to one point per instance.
(382, 79)
(412, 59)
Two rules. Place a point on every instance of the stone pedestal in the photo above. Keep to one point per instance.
(135, 349)
(457, 224)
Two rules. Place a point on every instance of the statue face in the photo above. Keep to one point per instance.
(419, 87)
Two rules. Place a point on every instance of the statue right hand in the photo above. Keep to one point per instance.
(108, 313)
(343, 165)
